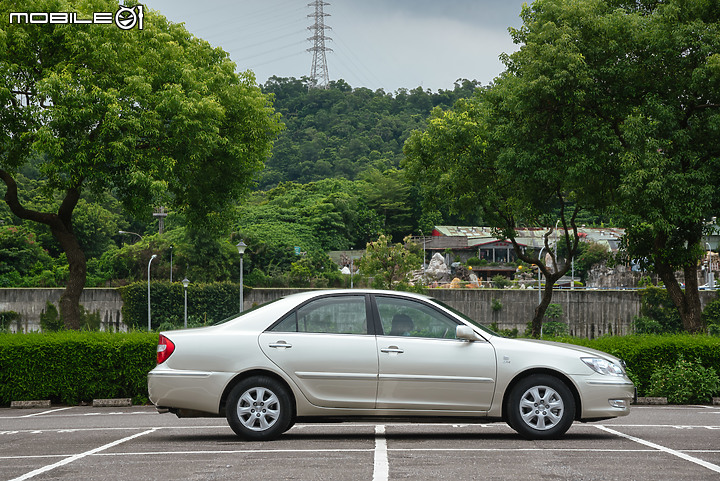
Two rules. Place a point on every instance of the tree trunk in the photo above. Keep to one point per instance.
(77, 263)
(60, 224)
(545, 302)
(687, 301)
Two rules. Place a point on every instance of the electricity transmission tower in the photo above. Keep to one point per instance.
(319, 77)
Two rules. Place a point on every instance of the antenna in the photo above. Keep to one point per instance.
(319, 72)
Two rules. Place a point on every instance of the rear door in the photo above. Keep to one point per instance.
(326, 348)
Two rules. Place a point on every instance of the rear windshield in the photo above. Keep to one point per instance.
(236, 316)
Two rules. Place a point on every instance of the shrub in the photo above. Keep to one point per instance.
(645, 325)
(501, 282)
(50, 320)
(215, 302)
(473, 261)
(554, 311)
(655, 304)
(714, 330)
(711, 315)
(496, 305)
(684, 382)
(504, 332)
(555, 329)
(7, 318)
(646, 353)
(72, 366)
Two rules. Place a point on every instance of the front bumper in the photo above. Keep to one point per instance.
(604, 397)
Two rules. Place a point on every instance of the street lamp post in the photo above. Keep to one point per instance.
(131, 233)
(241, 246)
(555, 266)
(171, 259)
(540, 276)
(710, 274)
(423, 236)
(149, 262)
(185, 283)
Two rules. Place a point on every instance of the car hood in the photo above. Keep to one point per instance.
(573, 347)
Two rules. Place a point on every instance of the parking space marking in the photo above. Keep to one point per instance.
(236, 451)
(381, 466)
(45, 412)
(681, 455)
(75, 457)
(51, 412)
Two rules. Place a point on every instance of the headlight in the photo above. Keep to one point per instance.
(602, 366)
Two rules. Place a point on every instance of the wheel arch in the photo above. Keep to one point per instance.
(533, 372)
(257, 372)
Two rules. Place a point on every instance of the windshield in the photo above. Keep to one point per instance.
(471, 321)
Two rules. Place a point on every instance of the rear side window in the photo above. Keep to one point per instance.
(333, 315)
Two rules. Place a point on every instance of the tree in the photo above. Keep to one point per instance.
(608, 105)
(388, 194)
(643, 81)
(389, 263)
(469, 157)
(157, 116)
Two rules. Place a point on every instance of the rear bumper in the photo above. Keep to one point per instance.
(170, 389)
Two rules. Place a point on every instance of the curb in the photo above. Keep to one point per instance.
(30, 404)
(651, 400)
(112, 403)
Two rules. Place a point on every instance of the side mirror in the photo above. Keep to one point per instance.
(466, 333)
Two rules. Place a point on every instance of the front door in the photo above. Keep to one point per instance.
(423, 367)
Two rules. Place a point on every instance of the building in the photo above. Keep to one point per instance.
(462, 243)
(480, 242)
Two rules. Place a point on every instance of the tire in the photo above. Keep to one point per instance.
(259, 408)
(541, 407)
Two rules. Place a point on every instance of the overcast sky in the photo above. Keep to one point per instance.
(386, 44)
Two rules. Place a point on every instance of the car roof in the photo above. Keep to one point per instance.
(260, 317)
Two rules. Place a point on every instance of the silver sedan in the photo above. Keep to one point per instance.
(347, 354)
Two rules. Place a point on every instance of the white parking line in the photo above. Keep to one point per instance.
(381, 468)
(75, 457)
(686, 457)
(45, 412)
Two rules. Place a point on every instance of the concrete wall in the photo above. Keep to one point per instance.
(30, 303)
(588, 313)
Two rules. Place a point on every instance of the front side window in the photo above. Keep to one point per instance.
(405, 317)
(334, 315)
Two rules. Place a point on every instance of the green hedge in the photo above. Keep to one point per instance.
(206, 302)
(70, 367)
(643, 354)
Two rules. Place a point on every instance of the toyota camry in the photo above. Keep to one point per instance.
(352, 354)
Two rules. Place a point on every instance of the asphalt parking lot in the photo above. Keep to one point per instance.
(653, 443)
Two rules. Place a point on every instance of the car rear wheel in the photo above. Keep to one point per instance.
(541, 407)
(259, 408)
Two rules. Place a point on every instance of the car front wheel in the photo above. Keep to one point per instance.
(541, 407)
(259, 408)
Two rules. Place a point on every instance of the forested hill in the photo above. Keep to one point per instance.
(341, 131)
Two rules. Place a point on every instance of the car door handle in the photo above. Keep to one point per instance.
(394, 349)
(282, 344)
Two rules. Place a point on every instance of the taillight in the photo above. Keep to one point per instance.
(164, 349)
